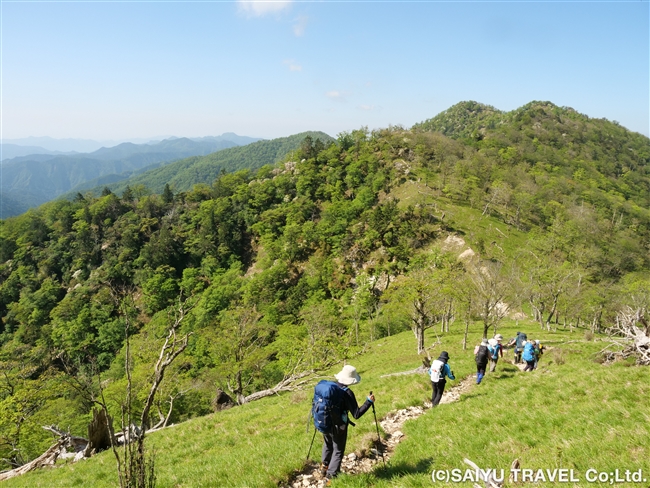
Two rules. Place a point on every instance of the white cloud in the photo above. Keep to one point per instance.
(292, 65)
(300, 25)
(366, 107)
(335, 95)
(258, 8)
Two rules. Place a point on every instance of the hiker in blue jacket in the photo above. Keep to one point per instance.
(334, 442)
(529, 355)
(438, 371)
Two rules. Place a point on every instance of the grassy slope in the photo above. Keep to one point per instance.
(474, 226)
(571, 413)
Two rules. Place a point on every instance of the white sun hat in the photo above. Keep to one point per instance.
(348, 376)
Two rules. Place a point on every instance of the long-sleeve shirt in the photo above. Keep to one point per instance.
(495, 351)
(351, 405)
(445, 372)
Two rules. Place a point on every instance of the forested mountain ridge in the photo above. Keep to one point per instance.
(571, 143)
(312, 258)
(182, 175)
(31, 180)
(541, 164)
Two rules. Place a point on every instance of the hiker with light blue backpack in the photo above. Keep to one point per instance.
(529, 355)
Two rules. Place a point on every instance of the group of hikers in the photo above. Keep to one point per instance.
(489, 351)
(334, 402)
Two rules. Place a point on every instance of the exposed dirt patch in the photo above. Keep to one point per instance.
(453, 243)
(365, 461)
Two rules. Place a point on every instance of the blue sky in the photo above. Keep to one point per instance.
(120, 70)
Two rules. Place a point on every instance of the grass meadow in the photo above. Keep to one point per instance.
(572, 413)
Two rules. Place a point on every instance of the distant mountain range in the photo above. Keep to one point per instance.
(30, 180)
(182, 175)
(12, 148)
(10, 151)
(50, 144)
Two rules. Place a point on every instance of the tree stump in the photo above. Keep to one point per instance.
(99, 435)
(222, 401)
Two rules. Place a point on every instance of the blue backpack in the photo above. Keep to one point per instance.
(327, 406)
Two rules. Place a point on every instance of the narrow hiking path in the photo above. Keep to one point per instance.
(364, 461)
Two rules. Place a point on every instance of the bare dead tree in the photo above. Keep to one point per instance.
(631, 336)
(174, 345)
(134, 465)
(491, 287)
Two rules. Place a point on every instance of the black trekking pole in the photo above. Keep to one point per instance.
(312, 443)
(378, 437)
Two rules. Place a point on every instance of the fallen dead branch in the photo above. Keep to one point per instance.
(420, 370)
(631, 335)
(48, 458)
(289, 383)
(61, 447)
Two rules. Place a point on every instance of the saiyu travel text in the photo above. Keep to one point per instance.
(559, 475)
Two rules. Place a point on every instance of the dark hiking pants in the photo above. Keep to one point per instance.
(438, 389)
(530, 365)
(333, 449)
(480, 372)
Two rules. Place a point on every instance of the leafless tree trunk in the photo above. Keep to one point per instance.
(136, 468)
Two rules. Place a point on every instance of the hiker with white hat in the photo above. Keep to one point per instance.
(495, 348)
(336, 438)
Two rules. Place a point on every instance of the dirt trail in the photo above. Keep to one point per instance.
(364, 462)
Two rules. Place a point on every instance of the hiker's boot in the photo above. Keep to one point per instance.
(323, 470)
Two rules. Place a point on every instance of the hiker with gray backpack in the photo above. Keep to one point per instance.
(481, 354)
(438, 371)
(332, 405)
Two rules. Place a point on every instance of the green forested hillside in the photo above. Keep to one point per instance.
(292, 267)
(182, 175)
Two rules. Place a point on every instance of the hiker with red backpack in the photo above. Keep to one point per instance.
(438, 371)
(481, 354)
(333, 403)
